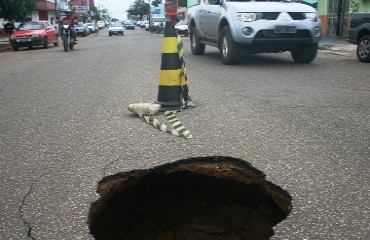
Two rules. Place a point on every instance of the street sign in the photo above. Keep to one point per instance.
(81, 9)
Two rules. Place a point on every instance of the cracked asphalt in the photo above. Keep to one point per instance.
(64, 125)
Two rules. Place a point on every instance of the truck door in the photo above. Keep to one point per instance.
(212, 17)
(202, 17)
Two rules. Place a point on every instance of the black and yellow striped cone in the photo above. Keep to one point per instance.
(170, 90)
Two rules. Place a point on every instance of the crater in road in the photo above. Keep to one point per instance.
(205, 198)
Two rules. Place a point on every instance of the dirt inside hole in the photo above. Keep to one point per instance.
(212, 198)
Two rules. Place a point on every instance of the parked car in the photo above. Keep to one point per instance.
(359, 34)
(100, 24)
(143, 23)
(34, 33)
(182, 28)
(92, 27)
(81, 29)
(130, 25)
(115, 29)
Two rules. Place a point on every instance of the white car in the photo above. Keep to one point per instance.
(115, 28)
(100, 24)
(92, 27)
(182, 28)
(143, 23)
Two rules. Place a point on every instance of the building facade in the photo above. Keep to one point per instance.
(82, 9)
(45, 10)
(336, 14)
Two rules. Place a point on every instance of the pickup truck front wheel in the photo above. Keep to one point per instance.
(197, 48)
(306, 53)
(363, 49)
(230, 51)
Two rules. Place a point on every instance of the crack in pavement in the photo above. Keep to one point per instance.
(109, 164)
(23, 203)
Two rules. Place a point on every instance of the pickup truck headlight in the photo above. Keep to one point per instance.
(311, 16)
(247, 17)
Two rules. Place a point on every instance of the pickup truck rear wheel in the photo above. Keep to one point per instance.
(197, 48)
(230, 51)
(363, 49)
(306, 53)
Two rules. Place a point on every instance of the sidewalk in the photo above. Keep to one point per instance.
(4, 44)
(336, 44)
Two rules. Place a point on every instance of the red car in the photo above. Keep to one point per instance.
(34, 33)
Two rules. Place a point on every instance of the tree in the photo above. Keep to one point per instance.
(16, 10)
(96, 15)
(139, 8)
(155, 3)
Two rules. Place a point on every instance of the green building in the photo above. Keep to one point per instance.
(336, 14)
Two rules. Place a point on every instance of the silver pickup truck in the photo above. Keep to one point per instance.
(238, 27)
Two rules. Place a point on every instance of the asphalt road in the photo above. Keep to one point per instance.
(64, 125)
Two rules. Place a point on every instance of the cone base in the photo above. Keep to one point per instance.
(169, 97)
(166, 106)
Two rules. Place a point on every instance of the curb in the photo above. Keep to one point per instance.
(339, 47)
(5, 48)
(4, 44)
(336, 44)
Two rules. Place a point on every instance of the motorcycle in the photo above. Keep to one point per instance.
(67, 36)
(160, 29)
(152, 29)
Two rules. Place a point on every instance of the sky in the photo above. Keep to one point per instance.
(116, 8)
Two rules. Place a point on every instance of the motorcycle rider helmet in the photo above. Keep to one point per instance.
(68, 12)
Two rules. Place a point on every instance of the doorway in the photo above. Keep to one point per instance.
(338, 18)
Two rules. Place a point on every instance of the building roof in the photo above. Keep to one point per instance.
(44, 5)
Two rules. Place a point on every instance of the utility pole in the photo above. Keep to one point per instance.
(56, 11)
(57, 17)
(150, 12)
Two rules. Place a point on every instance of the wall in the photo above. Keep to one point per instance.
(328, 15)
(359, 6)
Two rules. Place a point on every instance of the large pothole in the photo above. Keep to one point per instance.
(206, 198)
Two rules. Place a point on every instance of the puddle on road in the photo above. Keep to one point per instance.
(208, 198)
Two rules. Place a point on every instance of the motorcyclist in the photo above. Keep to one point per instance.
(161, 27)
(70, 18)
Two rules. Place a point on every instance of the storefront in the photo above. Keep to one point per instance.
(336, 14)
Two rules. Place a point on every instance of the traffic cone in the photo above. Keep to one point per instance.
(173, 89)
